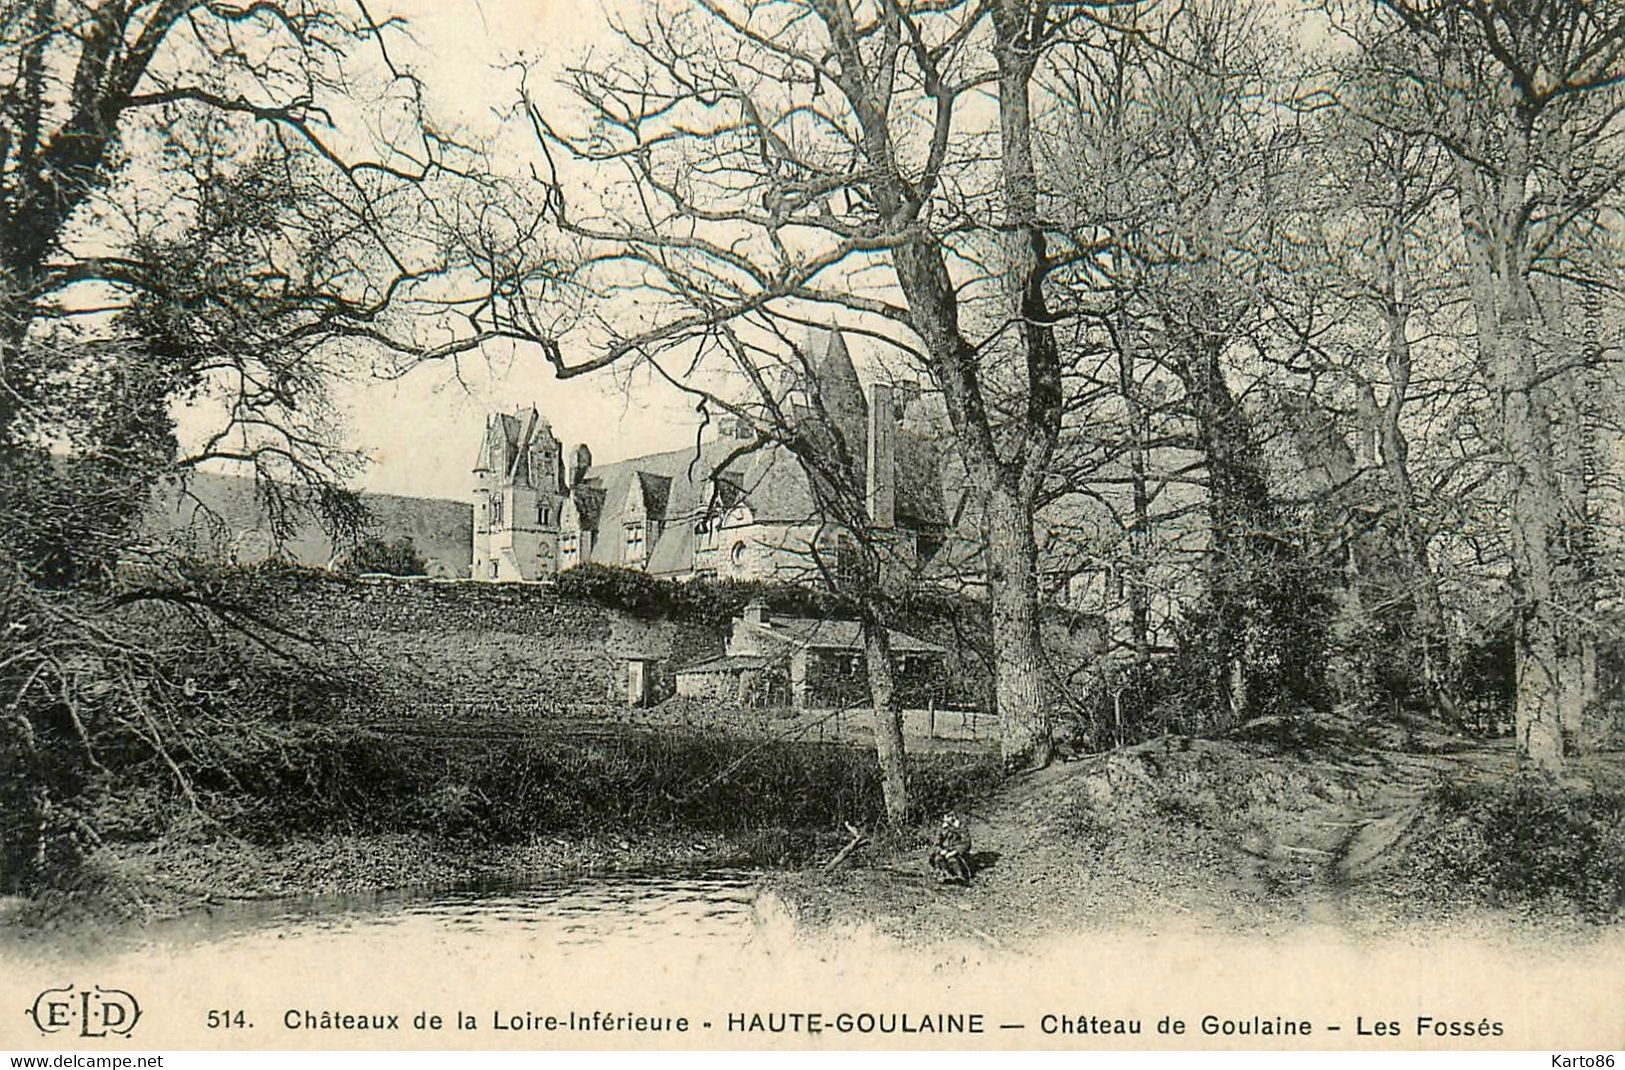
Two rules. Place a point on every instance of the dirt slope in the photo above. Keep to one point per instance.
(1281, 824)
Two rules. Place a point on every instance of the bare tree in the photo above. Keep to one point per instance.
(1526, 100)
(798, 162)
(787, 406)
(192, 209)
(1183, 158)
(1375, 303)
(191, 205)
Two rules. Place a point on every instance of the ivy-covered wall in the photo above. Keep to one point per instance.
(552, 647)
(471, 644)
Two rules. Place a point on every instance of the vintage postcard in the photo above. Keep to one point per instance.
(812, 524)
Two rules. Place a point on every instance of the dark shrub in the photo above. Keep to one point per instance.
(375, 556)
(1523, 841)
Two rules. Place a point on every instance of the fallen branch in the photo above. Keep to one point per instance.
(858, 840)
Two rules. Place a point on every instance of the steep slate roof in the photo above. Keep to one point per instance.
(673, 488)
(815, 633)
(517, 432)
(919, 482)
(837, 383)
(656, 491)
(589, 505)
(674, 550)
(508, 427)
(676, 489)
(519, 465)
(775, 487)
(727, 663)
(958, 563)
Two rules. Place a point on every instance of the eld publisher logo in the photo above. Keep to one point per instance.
(96, 1011)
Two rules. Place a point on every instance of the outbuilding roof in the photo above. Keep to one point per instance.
(816, 633)
(727, 663)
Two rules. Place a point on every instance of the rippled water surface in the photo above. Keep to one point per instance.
(581, 910)
(647, 944)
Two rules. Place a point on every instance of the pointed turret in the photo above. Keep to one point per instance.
(836, 388)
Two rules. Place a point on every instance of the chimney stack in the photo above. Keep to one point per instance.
(756, 612)
(581, 462)
(882, 457)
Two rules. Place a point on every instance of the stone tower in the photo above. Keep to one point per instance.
(518, 497)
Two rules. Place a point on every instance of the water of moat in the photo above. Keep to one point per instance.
(584, 909)
(569, 916)
(653, 942)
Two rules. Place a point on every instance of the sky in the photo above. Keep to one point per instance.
(422, 432)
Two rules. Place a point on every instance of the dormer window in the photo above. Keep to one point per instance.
(705, 533)
(634, 542)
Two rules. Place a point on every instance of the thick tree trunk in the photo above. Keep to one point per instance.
(1019, 29)
(1012, 552)
(1537, 635)
(1012, 559)
(1535, 513)
(1332, 468)
(932, 297)
(1570, 346)
(1438, 659)
(888, 718)
(1121, 204)
(1503, 304)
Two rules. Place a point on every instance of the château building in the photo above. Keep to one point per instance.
(720, 509)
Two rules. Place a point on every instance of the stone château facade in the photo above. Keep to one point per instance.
(720, 509)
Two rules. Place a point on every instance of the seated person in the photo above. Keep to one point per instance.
(951, 856)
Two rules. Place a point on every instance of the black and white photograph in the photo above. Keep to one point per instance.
(813, 525)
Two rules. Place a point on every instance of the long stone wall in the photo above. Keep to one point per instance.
(523, 646)
(510, 646)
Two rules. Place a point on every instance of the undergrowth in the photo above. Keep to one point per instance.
(1522, 842)
(318, 780)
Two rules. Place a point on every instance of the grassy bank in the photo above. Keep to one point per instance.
(1270, 828)
(1522, 843)
(310, 808)
(310, 779)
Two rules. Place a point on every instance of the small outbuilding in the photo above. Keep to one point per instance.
(811, 661)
